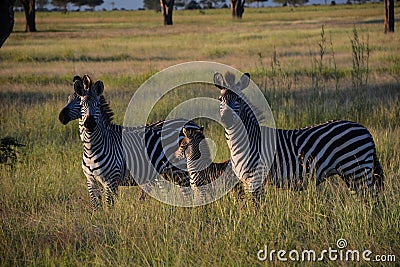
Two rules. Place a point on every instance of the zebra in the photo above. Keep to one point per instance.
(103, 160)
(291, 158)
(201, 169)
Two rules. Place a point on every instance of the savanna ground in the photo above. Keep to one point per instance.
(347, 70)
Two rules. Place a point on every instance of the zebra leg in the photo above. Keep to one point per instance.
(143, 194)
(185, 192)
(183, 181)
(238, 192)
(199, 193)
(362, 184)
(179, 178)
(199, 190)
(378, 174)
(111, 190)
(253, 186)
(147, 188)
(94, 192)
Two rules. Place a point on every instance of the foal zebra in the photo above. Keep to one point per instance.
(294, 157)
(103, 160)
(201, 169)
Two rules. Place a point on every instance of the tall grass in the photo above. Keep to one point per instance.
(307, 74)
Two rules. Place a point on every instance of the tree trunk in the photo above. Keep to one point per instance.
(389, 16)
(233, 8)
(237, 8)
(6, 19)
(167, 6)
(29, 8)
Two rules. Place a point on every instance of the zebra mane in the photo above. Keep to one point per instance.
(155, 125)
(256, 111)
(106, 110)
(232, 86)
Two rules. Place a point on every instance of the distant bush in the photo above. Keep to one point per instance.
(9, 151)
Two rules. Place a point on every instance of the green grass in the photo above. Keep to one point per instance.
(45, 214)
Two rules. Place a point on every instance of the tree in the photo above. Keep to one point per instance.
(237, 8)
(30, 14)
(77, 3)
(91, 3)
(94, 3)
(61, 4)
(41, 3)
(389, 16)
(167, 6)
(6, 19)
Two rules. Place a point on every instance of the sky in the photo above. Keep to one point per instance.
(127, 4)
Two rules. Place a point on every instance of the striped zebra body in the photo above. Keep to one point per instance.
(291, 158)
(335, 147)
(104, 162)
(201, 169)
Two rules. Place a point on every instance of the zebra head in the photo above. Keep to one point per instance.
(230, 107)
(90, 102)
(195, 149)
(191, 146)
(72, 110)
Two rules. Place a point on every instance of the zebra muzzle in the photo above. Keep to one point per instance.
(64, 117)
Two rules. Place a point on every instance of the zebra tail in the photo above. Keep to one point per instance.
(378, 174)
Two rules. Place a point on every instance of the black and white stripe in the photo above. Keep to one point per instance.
(291, 158)
(104, 161)
(202, 170)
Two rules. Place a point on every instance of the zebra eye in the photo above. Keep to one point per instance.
(183, 146)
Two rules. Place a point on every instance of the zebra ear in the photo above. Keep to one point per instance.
(243, 82)
(78, 86)
(219, 81)
(76, 77)
(98, 88)
(87, 82)
(185, 132)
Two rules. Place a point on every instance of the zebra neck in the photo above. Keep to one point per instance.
(238, 136)
(81, 130)
(101, 132)
(244, 144)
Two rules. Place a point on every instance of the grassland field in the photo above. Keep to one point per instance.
(312, 63)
